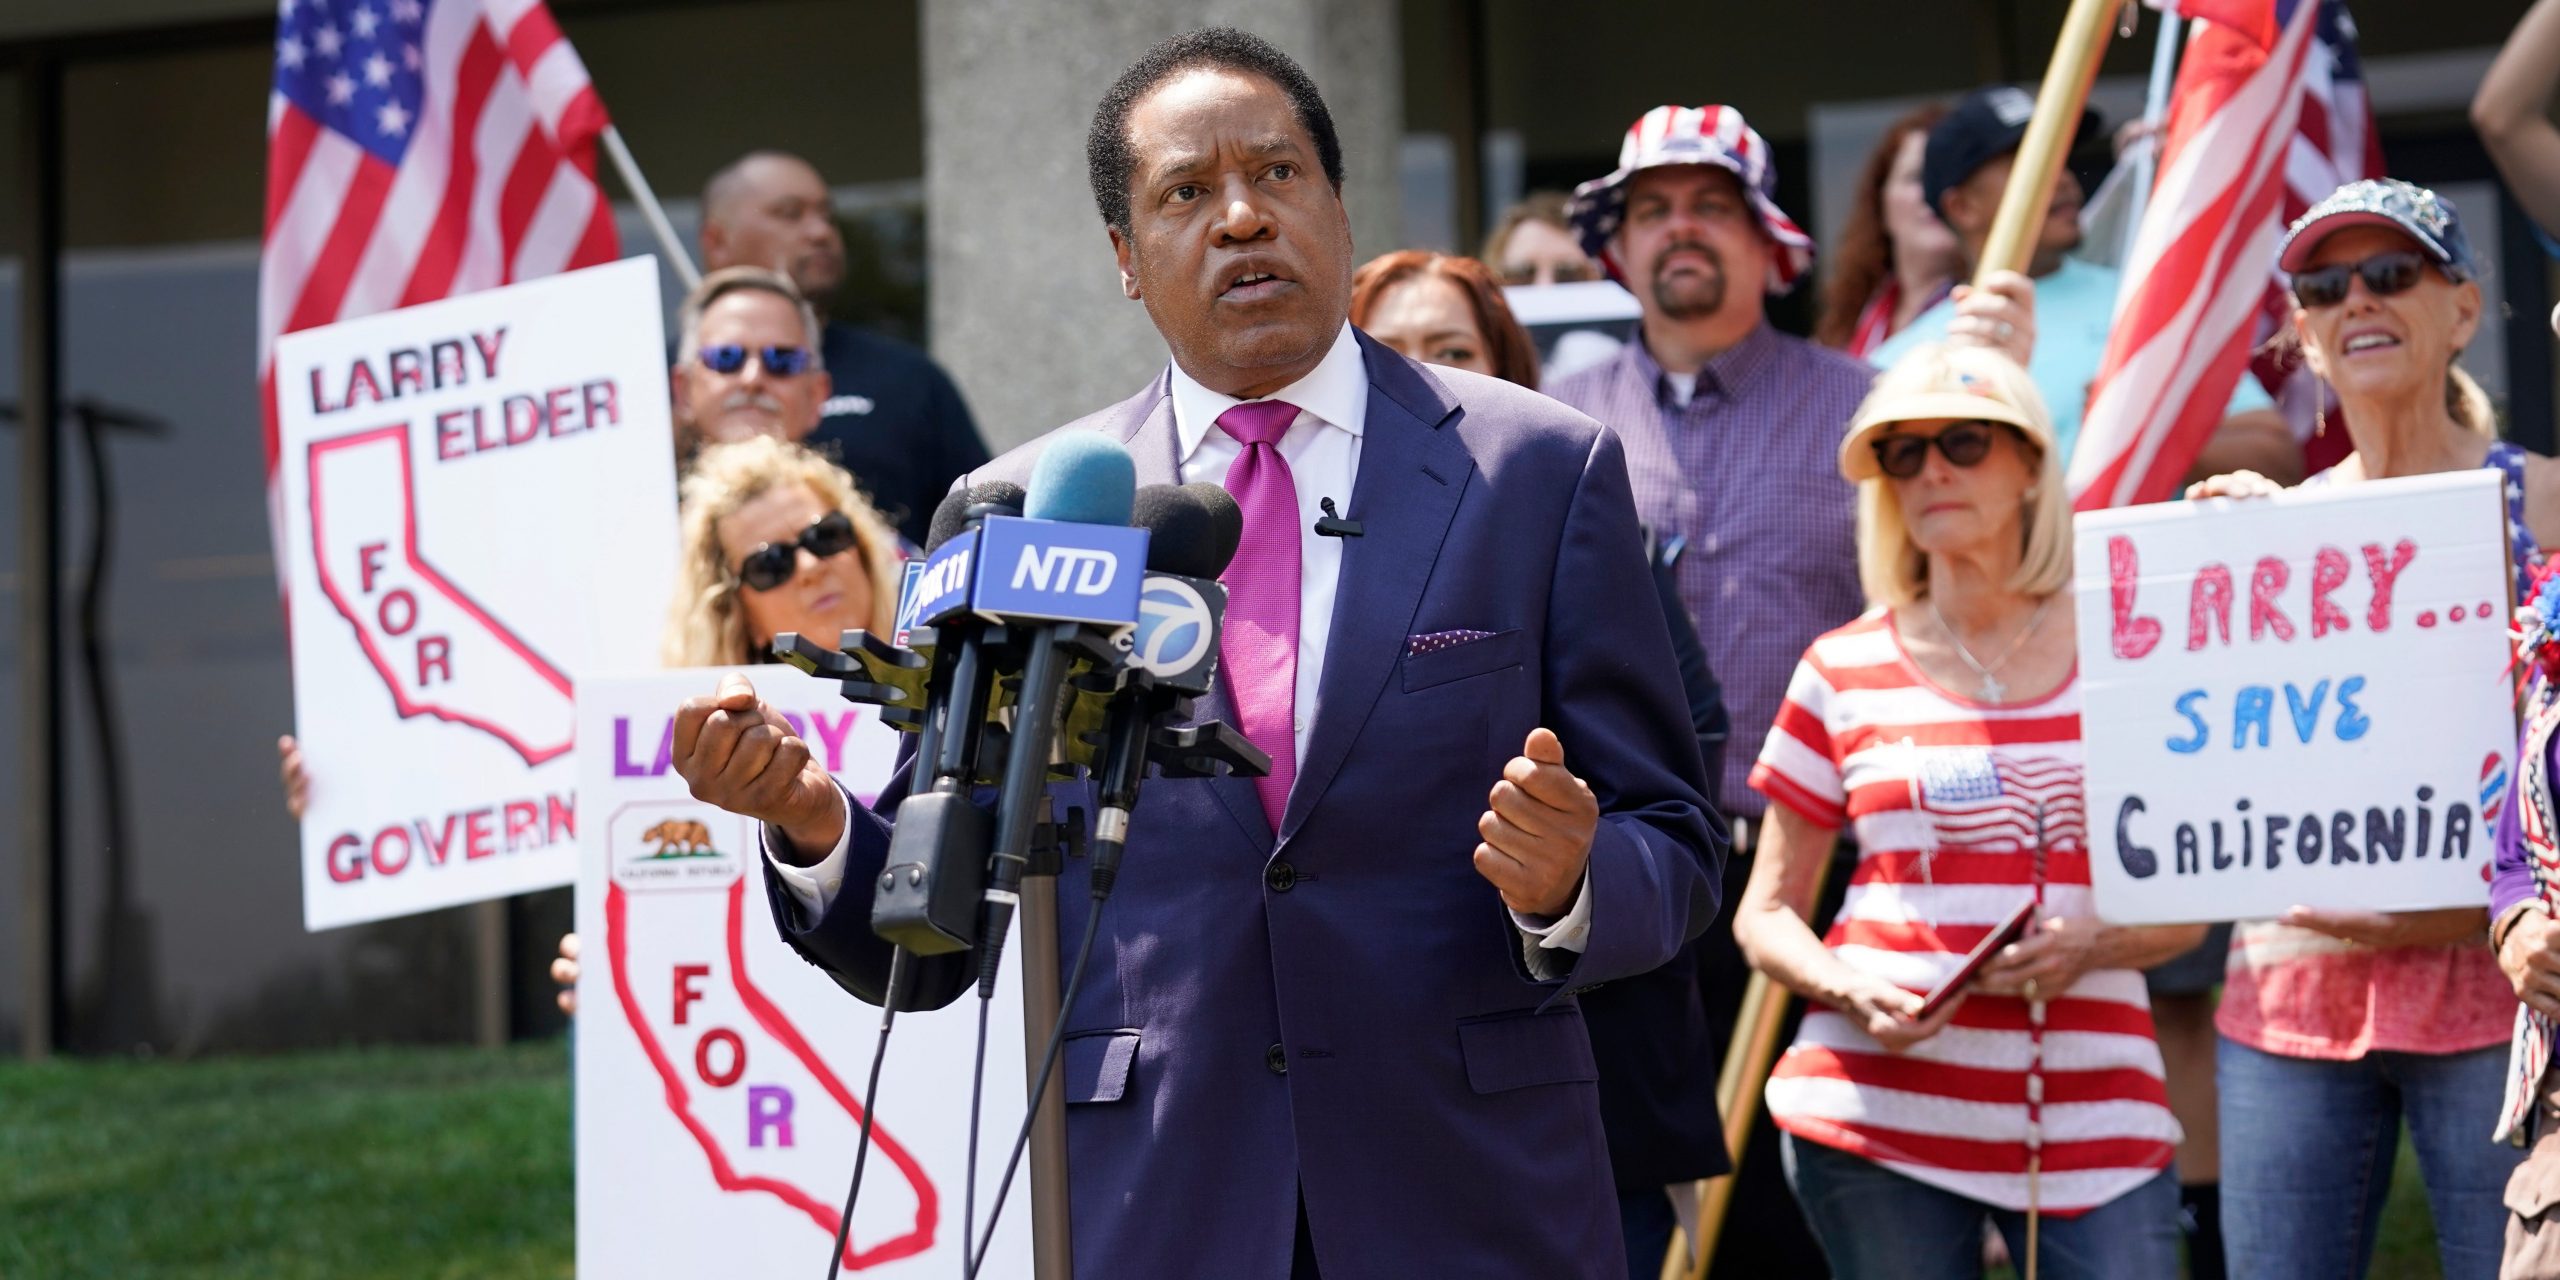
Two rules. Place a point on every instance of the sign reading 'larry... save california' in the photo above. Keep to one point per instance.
(2300, 699)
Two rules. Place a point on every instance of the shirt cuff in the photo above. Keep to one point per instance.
(812, 886)
(1568, 932)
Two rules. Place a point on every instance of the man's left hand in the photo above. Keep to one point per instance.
(1537, 834)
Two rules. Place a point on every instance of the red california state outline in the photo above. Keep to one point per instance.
(408, 707)
(768, 1016)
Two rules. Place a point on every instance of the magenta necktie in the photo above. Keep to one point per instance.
(1259, 649)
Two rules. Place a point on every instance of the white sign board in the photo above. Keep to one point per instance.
(2296, 700)
(479, 504)
(719, 1075)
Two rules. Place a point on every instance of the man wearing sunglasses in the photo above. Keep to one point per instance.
(747, 361)
(890, 415)
(1963, 172)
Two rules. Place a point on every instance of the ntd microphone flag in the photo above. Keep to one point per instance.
(1058, 571)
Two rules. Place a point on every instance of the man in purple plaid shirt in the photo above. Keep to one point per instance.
(1732, 433)
(1732, 429)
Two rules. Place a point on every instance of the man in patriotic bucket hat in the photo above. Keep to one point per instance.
(1732, 430)
(1709, 135)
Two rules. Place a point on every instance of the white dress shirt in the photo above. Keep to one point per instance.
(1322, 449)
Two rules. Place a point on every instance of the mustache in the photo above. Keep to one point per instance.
(1713, 258)
(762, 400)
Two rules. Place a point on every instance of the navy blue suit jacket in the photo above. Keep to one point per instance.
(1369, 1030)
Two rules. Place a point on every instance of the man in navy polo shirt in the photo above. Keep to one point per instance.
(894, 419)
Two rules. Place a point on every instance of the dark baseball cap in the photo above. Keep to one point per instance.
(1986, 125)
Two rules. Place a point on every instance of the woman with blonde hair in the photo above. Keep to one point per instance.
(775, 539)
(1943, 727)
(2339, 1026)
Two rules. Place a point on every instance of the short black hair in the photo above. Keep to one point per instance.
(1108, 159)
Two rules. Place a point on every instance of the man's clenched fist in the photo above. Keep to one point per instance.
(739, 754)
(1537, 834)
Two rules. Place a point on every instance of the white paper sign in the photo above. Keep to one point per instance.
(2296, 700)
(719, 1075)
(479, 504)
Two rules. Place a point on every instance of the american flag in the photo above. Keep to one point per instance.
(1992, 800)
(419, 149)
(2268, 116)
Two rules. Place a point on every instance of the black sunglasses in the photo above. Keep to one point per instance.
(1966, 444)
(2384, 273)
(729, 357)
(772, 564)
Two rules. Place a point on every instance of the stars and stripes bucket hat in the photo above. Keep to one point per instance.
(1710, 135)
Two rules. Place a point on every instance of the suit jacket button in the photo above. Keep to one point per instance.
(1280, 876)
(1277, 1059)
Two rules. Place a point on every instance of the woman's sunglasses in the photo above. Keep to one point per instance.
(2384, 274)
(1966, 444)
(730, 357)
(772, 564)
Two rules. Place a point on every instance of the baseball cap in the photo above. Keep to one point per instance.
(2405, 207)
(1984, 126)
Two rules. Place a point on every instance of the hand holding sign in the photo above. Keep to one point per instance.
(2531, 958)
(2393, 928)
(736, 752)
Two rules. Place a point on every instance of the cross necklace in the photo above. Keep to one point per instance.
(1992, 689)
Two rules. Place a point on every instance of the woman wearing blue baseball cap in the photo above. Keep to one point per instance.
(2338, 1025)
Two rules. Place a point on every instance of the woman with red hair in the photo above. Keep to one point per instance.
(1445, 310)
(1894, 256)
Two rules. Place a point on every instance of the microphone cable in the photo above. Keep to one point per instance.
(899, 972)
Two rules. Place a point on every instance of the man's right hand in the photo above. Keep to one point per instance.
(741, 755)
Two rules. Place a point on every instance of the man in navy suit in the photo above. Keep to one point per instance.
(1332, 1026)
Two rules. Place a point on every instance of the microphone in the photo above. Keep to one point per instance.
(1173, 658)
(1070, 567)
(934, 871)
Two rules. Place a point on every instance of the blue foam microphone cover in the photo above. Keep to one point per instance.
(1083, 478)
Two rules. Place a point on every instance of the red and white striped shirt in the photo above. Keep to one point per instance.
(1944, 795)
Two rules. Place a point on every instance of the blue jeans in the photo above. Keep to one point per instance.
(1875, 1222)
(2308, 1145)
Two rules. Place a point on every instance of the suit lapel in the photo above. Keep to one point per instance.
(1412, 470)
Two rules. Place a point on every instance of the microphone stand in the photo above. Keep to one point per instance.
(1052, 1246)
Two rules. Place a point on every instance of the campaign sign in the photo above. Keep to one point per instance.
(720, 1075)
(1059, 571)
(479, 503)
(2296, 700)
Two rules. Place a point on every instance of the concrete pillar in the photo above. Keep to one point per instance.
(1025, 306)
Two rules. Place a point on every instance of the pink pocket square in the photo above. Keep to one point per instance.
(1435, 641)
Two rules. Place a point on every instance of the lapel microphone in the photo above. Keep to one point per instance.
(1332, 525)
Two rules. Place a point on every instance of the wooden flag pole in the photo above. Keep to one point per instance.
(2059, 101)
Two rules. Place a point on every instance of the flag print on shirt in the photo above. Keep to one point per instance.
(1943, 795)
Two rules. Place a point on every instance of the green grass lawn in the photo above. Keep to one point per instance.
(386, 1163)
(408, 1163)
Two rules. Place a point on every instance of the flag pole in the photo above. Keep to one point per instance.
(2155, 111)
(2059, 101)
(650, 210)
(1745, 1073)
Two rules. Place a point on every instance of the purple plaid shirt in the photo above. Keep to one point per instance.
(1748, 471)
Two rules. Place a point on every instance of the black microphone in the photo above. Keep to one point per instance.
(1058, 571)
(935, 869)
(1173, 658)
